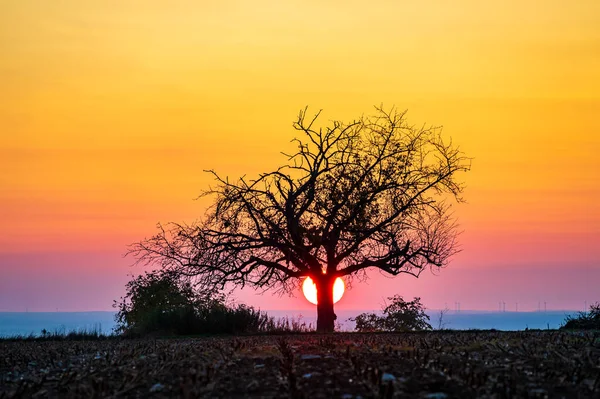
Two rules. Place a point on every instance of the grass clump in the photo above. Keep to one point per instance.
(61, 334)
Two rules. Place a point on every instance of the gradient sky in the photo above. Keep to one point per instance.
(111, 110)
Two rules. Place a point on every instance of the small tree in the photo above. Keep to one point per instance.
(366, 194)
(441, 315)
(160, 301)
(398, 316)
(589, 320)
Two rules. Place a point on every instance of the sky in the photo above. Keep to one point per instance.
(111, 110)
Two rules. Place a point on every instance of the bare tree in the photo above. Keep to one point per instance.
(441, 315)
(367, 194)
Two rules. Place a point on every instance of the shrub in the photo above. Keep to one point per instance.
(589, 320)
(161, 303)
(398, 316)
(158, 302)
(368, 322)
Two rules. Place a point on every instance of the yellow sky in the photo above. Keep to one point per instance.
(110, 110)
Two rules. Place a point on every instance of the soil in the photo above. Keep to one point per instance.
(433, 365)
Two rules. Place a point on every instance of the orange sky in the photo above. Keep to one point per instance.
(111, 110)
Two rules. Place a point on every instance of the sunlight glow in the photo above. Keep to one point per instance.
(310, 290)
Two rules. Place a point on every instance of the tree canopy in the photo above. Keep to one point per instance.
(371, 193)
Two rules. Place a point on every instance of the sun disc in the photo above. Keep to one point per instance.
(310, 290)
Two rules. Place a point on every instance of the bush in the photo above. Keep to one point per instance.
(239, 319)
(398, 316)
(160, 303)
(589, 320)
(157, 302)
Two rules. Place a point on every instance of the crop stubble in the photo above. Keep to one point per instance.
(534, 364)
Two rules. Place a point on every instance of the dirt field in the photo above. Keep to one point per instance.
(430, 365)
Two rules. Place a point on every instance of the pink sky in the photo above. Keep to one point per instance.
(90, 281)
(110, 112)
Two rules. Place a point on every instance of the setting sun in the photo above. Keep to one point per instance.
(310, 290)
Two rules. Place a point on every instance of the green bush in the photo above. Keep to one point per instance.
(157, 302)
(160, 303)
(398, 316)
(589, 320)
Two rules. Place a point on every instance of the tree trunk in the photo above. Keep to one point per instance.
(325, 315)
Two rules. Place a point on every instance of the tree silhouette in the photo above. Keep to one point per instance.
(366, 194)
(400, 315)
